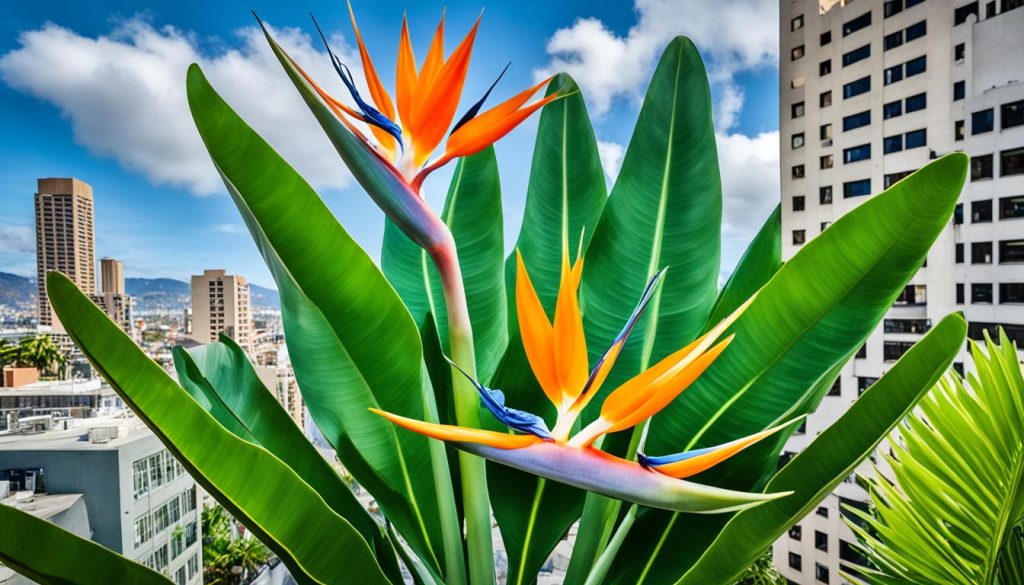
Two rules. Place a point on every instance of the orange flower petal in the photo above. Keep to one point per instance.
(536, 332)
(461, 434)
(570, 346)
(715, 455)
(380, 95)
(434, 61)
(405, 85)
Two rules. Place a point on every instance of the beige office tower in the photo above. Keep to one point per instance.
(65, 239)
(871, 91)
(221, 304)
(112, 297)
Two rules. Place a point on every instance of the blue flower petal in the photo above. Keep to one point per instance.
(494, 401)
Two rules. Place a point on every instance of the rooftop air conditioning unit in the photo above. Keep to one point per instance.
(102, 434)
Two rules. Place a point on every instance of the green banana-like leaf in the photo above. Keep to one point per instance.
(953, 514)
(665, 210)
(758, 265)
(50, 555)
(564, 199)
(472, 212)
(280, 509)
(812, 316)
(351, 340)
(220, 375)
(832, 456)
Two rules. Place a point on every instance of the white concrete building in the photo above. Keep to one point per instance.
(221, 303)
(871, 90)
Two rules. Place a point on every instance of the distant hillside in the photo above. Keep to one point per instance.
(18, 292)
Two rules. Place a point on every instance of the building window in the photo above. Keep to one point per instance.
(826, 38)
(912, 294)
(797, 140)
(893, 74)
(862, 352)
(795, 562)
(858, 120)
(140, 478)
(916, 66)
(797, 23)
(825, 99)
(796, 533)
(919, 326)
(958, 214)
(798, 171)
(958, 130)
(981, 167)
(858, 54)
(959, 293)
(893, 178)
(983, 121)
(894, 350)
(1012, 114)
(857, 188)
(981, 211)
(821, 572)
(959, 52)
(892, 109)
(1011, 162)
(825, 196)
(822, 511)
(981, 253)
(981, 293)
(825, 132)
(852, 26)
(857, 87)
(891, 41)
(892, 143)
(892, 7)
(797, 53)
(917, 102)
(990, 9)
(820, 540)
(1011, 251)
(191, 534)
(863, 383)
(856, 153)
(1011, 293)
(958, 253)
(825, 162)
(917, 30)
(837, 388)
(825, 67)
(799, 237)
(959, 90)
(797, 110)
(1009, 207)
(798, 203)
(916, 139)
(960, 14)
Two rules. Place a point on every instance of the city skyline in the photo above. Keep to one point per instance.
(184, 210)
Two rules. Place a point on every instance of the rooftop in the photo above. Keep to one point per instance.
(129, 429)
(58, 387)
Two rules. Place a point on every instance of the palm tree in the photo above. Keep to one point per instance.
(40, 352)
(951, 513)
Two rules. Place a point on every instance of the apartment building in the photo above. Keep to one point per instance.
(221, 304)
(139, 500)
(65, 239)
(870, 91)
(112, 297)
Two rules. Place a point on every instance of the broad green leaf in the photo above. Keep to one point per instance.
(759, 263)
(665, 210)
(221, 379)
(280, 509)
(472, 212)
(832, 456)
(810, 317)
(950, 510)
(351, 340)
(564, 199)
(50, 555)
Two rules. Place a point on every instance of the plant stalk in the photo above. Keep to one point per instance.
(476, 501)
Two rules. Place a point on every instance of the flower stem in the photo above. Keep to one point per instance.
(472, 469)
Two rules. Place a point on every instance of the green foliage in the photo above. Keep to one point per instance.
(228, 559)
(949, 509)
(32, 352)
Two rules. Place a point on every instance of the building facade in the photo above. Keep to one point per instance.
(870, 91)
(221, 304)
(112, 297)
(65, 238)
(140, 501)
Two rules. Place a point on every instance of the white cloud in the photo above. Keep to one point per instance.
(611, 154)
(228, 228)
(733, 35)
(17, 239)
(124, 96)
(750, 188)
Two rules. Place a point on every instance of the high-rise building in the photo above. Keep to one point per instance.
(112, 298)
(221, 304)
(870, 91)
(65, 238)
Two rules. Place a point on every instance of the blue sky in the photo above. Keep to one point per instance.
(96, 91)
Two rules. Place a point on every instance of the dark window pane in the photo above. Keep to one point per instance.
(976, 331)
(858, 54)
(907, 325)
(892, 109)
(856, 153)
(917, 102)
(1011, 207)
(796, 53)
(958, 214)
(798, 203)
(825, 195)
(916, 66)
(825, 99)
(856, 120)
(1012, 114)
(959, 52)
(983, 121)
(1011, 293)
(796, 533)
(892, 74)
(856, 24)
(893, 178)
(916, 139)
(826, 38)
(981, 253)
(857, 188)
(981, 167)
(894, 350)
(981, 211)
(960, 14)
(837, 388)
(820, 540)
(1011, 162)
(825, 67)
(1011, 251)
(821, 572)
(795, 562)
(959, 90)
(958, 253)
(892, 143)
(798, 171)
(981, 293)
(959, 293)
(892, 7)
(799, 237)
(891, 41)
(1005, 5)
(958, 130)
(857, 87)
(917, 30)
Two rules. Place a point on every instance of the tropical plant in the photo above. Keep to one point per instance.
(33, 352)
(950, 510)
(228, 559)
(588, 336)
